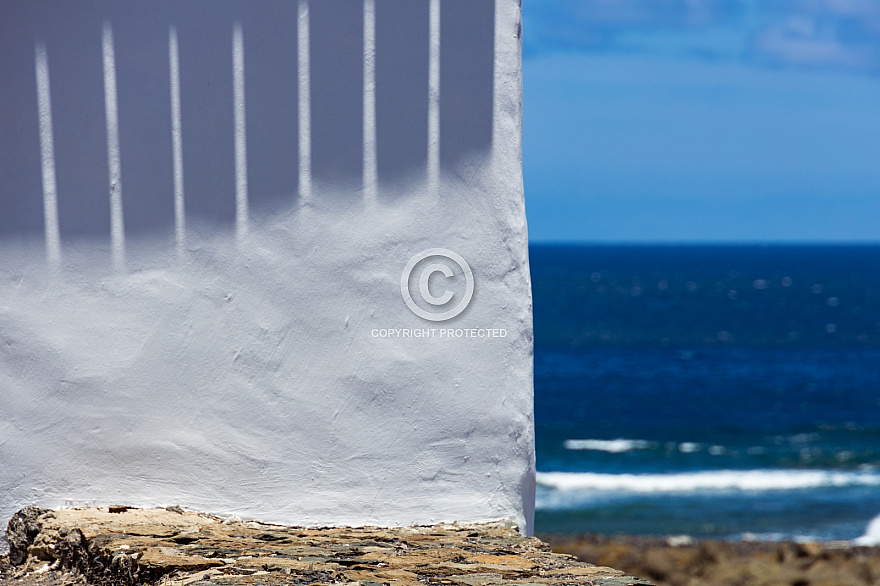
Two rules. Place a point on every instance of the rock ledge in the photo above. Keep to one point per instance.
(124, 546)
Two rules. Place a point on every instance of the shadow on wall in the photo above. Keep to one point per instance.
(137, 39)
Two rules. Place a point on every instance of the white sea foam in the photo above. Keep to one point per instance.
(777, 536)
(872, 533)
(738, 480)
(615, 446)
(620, 445)
(689, 447)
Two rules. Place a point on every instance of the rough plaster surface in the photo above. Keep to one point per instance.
(243, 377)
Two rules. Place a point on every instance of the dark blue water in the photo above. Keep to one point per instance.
(718, 391)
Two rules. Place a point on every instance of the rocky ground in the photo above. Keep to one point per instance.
(681, 561)
(122, 546)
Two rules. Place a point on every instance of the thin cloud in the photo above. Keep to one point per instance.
(842, 34)
(589, 25)
(826, 34)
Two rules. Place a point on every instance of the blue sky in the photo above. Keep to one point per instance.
(702, 120)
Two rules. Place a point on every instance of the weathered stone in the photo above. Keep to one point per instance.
(479, 579)
(182, 548)
(21, 531)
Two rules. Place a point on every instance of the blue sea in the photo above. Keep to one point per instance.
(716, 391)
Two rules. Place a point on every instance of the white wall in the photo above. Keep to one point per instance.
(223, 355)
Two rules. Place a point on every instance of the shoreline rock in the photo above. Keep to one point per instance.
(134, 547)
(684, 561)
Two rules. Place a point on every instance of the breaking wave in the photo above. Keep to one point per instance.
(708, 480)
(615, 446)
(872, 533)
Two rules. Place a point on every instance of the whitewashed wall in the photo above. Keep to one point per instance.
(206, 208)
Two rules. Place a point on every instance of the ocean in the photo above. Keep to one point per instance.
(725, 391)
